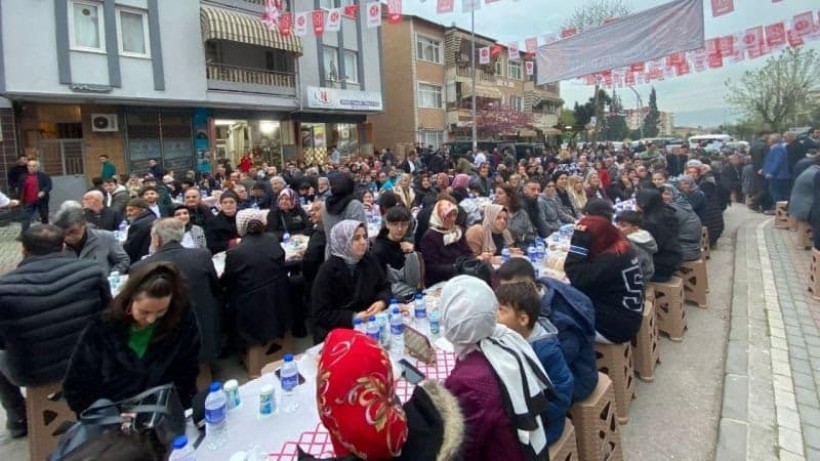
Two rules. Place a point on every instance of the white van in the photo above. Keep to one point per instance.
(712, 141)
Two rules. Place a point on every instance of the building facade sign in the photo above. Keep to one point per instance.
(334, 98)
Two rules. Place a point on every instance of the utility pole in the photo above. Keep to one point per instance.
(472, 61)
(640, 106)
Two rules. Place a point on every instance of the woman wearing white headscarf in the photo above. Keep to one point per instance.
(499, 382)
(350, 283)
(442, 244)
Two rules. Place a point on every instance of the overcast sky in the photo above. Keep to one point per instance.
(696, 99)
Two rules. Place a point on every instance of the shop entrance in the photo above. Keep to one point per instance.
(260, 138)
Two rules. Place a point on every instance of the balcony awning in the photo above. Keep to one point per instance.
(480, 92)
(220, 24)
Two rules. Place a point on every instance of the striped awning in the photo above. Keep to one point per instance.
(220, 24)
(481, 92)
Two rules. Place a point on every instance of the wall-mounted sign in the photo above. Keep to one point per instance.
(333, 98)
(89, 88)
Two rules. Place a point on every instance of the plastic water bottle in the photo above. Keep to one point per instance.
(286, 237)
(420, 314)
(396, 333)
(373, 328)
(216, 411)
(182, 451)
(289, 377)
(358, 325)
(435, 323)
(540, 250)
(123, 226)
(532, 254)
(505, 254)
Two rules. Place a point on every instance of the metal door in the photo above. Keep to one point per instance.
(64, 161)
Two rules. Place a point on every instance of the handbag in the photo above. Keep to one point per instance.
(155, 416)
(468, 265)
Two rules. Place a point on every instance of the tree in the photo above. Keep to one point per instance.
(652, 120)
(567, 118)
(584, 113)
(594, 13)
(501, 120)
(614, 126)
(777, 92)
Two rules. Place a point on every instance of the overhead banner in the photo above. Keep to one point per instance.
(651, 34)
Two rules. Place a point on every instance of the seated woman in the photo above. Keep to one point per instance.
(576, 191)
(366, 197)
(194, 235)
(355, 379)
(442, 244)
(569, 207)
(494, 365)
(593, 187)
(602, 265)
(622, 188)
(221, 233)
(396, 255)
(148, 337)
(552, 209)
(689, 226)
(404, 191)
(707, 204)
(289, 217)
(350, 283)
(519, 223)
(256, 284)
(659, 220)
(489, 238)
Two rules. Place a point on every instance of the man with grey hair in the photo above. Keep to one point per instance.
(96, 245)
(98, 214)
(277, 183)
(196, 265)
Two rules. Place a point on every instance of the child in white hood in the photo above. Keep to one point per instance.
(629, 222)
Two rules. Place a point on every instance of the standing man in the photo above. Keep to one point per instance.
(335, 155)
(776, 169)
(155, 169)
(16, 175)
(34, 195)
(44, 306)
(108, 169)
(758, 151)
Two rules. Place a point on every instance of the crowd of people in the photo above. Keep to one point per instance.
(524, 344)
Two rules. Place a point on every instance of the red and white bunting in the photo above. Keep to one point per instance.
(776, 36)
(445, 6)
(753, 42)
(726, 45)
(803, 24)
(393, 11)
(351, 11)
(638, 67)
(795, 40)
(318, 17)
(721, 7)
(484, 55)
(333, 21)
(531, 45)
(285, 24)
(272, 12)
(513, 54)
(530, 67)
(568, 32)
(300, 26)
(374, 14)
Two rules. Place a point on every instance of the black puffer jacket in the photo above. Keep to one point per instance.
(659, 220)
(44, 306)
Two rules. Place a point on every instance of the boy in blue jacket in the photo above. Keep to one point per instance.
(572, 313)
(519, 310)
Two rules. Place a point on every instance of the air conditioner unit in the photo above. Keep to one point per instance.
(104, 122)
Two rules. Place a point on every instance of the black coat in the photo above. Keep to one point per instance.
(338, 294)
(220, 231)
(711, 214)
(15, 177)
(107, 219)
(196, 265)
(256, 285)
(139, 236)
(664, 229)
(103, 366)
(314, 255)
(44, 306)
(294, 221)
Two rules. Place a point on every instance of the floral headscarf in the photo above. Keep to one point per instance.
(490, 214)
(355, 395)
(341, 240)
(438, 218)
(289, 193)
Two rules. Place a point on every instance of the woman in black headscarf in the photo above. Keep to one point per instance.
(561, 179)
(341, 204)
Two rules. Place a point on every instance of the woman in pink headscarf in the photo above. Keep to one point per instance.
(442, 244)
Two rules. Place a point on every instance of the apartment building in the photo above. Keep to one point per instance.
(428, 91)
(187, 82)
(666, 125)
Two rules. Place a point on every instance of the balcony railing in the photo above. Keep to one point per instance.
(480, 74)
(250, 76)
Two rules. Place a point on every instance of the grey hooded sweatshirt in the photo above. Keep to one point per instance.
(645, 246)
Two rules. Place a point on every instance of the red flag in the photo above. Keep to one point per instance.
(794, 39)
(638, 67)
(393, 11)
(568, 32)
(715, 61)
(351, 10)
(285, 24)
(496, 50)
(530, 66)
(484, 55)
(682, 69)
(776, 35)
(753, 42)
(531, 45)
(726, 45)
(629, 78)
(721, 7)
(445, 6)
(699, 59)
(318, 17)
(803, 24)
(675, 60)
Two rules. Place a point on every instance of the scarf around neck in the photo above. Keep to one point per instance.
(437, 219)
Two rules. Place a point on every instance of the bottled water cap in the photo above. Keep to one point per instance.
(180, 442)
(216, 386)
(288, 357)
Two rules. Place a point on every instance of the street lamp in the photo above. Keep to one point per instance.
(640, 106)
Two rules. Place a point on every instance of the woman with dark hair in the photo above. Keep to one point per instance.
(289, 217)
(256, 284)
(689, 225)
(148, 337)
(221, 233)
(602, 264)
(194, 235)
(561, 179)
(350, 283)
(518, 223)
(443, 243)
(659, 220)
(622, 188)
(341, 205)
(396, 255)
